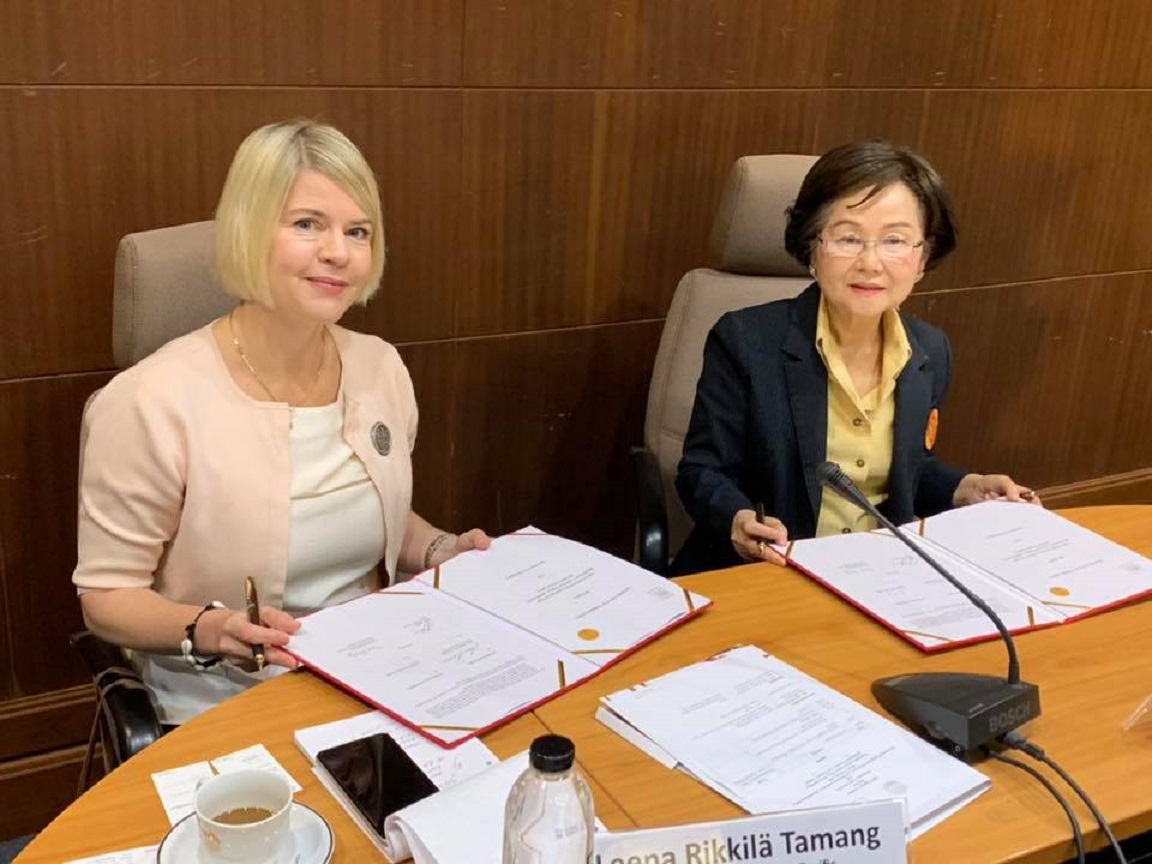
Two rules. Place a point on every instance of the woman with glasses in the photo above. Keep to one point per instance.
(837, 373)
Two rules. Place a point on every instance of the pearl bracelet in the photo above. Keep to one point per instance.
(188, 643)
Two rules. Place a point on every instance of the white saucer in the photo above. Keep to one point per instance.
(309, 842)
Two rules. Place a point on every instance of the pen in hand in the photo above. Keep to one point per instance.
(253, 604)
(760, 518)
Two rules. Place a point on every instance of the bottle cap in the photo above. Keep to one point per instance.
(552, 754)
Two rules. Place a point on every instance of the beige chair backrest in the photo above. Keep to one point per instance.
(165, 286)
(750, 267)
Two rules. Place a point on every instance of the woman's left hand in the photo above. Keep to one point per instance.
(469, 540)
(466, 542)
(975, 488)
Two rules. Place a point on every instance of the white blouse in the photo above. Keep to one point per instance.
(337, 533)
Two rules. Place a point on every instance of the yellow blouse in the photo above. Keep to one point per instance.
(859, 426)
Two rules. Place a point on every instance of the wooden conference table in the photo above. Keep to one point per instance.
(1092, 674)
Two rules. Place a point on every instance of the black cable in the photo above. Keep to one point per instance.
(1018, 742)
(1072, 820)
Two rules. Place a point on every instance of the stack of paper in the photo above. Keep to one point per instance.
(461, 825)
(770, 738)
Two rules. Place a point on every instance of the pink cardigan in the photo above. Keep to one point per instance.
(185, 479)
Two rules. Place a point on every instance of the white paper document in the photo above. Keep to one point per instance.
(570, 593)
(139, 855)
(770, 738)
(1069, 569)
(257, 756)
(445, 668)
(490, 634)
(884, 577)
(636, 738)
(177, 788)
(1032, 566)
(461, 825)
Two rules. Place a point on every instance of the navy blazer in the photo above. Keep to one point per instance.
(759, 428)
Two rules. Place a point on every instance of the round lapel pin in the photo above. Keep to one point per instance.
(381, 438)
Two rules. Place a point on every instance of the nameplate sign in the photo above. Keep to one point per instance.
(855, 834)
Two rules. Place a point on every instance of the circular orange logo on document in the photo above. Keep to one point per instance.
(1060, 592)
(930, 429)
(588, 634)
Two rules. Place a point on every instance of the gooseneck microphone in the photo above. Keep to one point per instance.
(961, 711)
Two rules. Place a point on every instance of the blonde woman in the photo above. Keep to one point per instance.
(270, 444)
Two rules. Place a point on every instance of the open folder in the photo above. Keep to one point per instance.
(490, 635)
(1032, 566)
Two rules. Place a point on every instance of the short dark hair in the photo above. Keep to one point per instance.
(867, 167)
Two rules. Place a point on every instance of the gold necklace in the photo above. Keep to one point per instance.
(260, 381)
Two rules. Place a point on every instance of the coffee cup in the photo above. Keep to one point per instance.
(244, 815)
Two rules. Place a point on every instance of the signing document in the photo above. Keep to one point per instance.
(770, 738)
(489, 635)
(1033, 567)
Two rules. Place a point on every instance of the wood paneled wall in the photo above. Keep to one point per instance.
(550, 168)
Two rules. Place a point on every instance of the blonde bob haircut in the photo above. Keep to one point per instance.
(252, 202)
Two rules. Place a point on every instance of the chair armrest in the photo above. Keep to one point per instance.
(127, 713)
(651, 512)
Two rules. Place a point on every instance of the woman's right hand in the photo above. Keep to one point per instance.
(751, 539)
(229, 633)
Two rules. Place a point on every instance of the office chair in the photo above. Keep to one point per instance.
(164, 286)
(750, 267)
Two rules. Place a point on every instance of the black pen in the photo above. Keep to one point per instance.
(761, 518)
(253, 603)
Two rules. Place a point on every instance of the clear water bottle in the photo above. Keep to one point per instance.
(549, 817)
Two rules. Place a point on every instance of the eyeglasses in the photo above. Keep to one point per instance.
(893, 248)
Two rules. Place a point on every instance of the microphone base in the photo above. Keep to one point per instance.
(958, 711)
